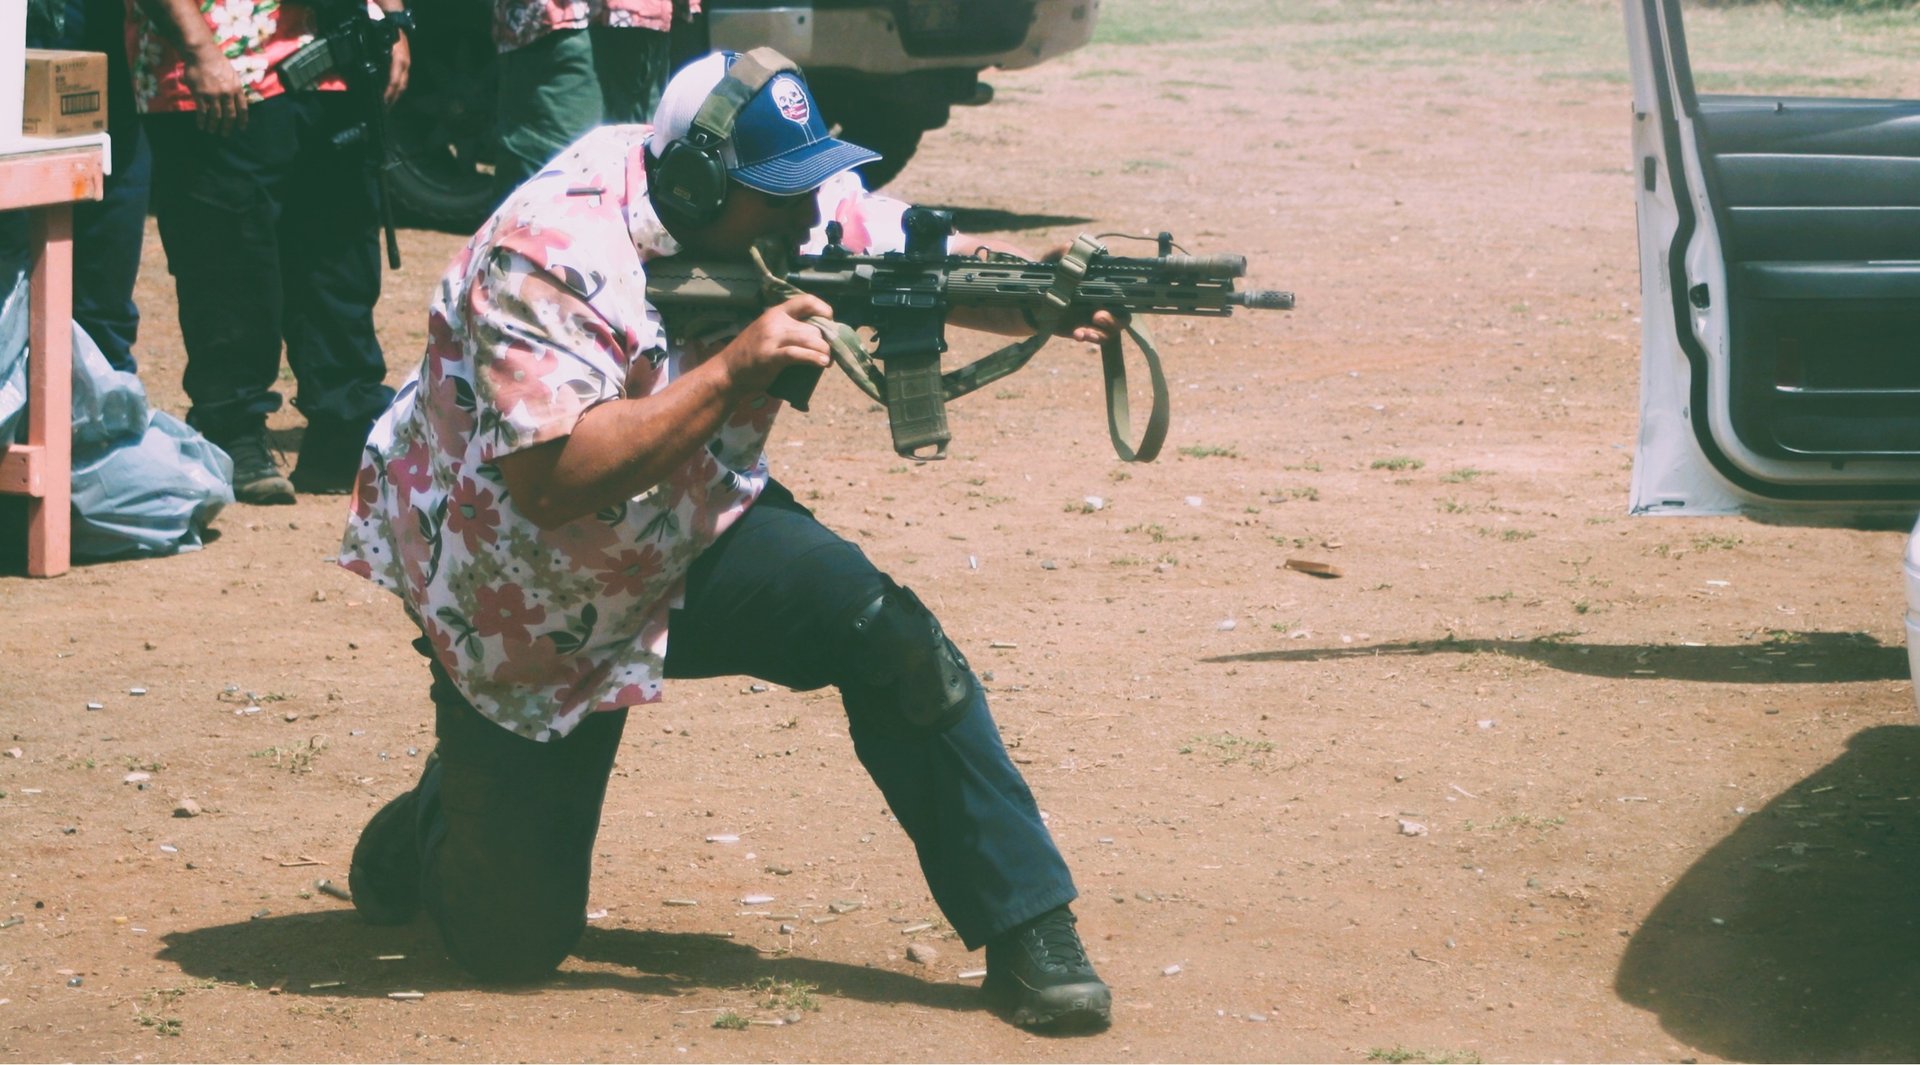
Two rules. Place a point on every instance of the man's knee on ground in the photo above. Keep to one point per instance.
(902, 668)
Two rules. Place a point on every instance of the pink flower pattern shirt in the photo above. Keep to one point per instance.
(541, 316)
(518, 23)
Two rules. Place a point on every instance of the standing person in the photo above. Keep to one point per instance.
(270, 230)
(574, 506)
(566, 66)
(107, 233)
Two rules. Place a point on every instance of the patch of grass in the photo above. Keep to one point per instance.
(1156, 532)
(1717, 543)
(162, 1026)
(731, 1021)
(295, 759)
(1209, 452)
(1448, 506)
(1516, 821)
(786, 994)
(1229, 748)
(1506, 535)
(1398, 1053)
(1463, 475)
(1397, 463)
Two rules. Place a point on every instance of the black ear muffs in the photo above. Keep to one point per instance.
(689, 182)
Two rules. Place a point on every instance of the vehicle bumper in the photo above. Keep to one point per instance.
(868, 37)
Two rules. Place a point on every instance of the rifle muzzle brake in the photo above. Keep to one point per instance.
(1263, 299)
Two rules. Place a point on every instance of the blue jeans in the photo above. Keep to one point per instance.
(505, 826)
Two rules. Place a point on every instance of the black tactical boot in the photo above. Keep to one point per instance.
(330, 453)
(384, 878)
(1039, 976)
(256, 476)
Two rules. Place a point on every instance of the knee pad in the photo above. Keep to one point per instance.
(903, 666)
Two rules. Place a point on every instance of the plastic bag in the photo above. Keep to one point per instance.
(144, 483)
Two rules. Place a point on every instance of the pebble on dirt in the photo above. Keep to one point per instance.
(186, 808)
(1412, 828)
(921, 954)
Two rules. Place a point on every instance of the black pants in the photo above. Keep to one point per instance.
(505, 825)
(271, 235)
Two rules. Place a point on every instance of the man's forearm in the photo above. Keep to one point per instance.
(619, 449)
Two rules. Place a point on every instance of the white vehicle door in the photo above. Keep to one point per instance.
(1780, 296)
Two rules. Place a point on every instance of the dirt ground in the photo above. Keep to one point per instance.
(1529, 781)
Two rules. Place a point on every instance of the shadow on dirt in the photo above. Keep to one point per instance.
(1790, 658)
(1795, 938)
(341, 954)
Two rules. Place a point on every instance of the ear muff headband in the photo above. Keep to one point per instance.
(690, 181)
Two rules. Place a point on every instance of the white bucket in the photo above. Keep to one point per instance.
(13, 68)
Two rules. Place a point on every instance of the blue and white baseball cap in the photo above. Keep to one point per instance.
(780, 144)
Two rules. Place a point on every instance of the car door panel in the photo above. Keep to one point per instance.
(1781, 295)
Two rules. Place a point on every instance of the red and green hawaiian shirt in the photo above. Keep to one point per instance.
(254, 35)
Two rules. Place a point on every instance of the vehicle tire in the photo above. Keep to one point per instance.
(442, 128)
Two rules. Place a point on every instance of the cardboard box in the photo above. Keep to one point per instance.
(65, 93)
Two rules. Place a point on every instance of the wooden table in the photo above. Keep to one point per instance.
(46, 184)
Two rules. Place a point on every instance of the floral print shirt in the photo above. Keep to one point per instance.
(254, 35)
(542, 315)
(517, 23)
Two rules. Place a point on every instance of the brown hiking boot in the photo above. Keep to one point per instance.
(256, 476)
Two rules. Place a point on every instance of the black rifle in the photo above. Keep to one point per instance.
(905, 297)
(359, 48)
